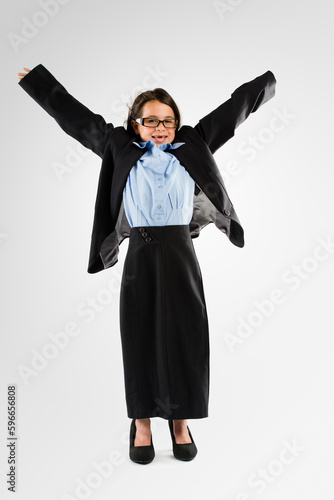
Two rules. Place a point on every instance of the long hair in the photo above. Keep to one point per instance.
(157, 94)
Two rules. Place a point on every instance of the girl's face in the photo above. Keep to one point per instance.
(159, 134)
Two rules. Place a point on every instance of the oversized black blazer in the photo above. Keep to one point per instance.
(115, 146)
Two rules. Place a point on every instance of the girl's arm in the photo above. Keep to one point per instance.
(74, 118)
(219, 126)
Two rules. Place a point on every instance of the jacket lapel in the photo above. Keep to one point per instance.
(205, 174)
(125, 160)
(190, 155)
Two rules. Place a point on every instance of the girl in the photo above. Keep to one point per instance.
(159, 186)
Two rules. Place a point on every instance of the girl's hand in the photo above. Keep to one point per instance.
(22, 75)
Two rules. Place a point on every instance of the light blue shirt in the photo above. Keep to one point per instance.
(159, 191)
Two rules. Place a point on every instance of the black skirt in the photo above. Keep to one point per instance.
(164, 326)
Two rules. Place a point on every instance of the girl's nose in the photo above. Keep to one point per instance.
(160, 126)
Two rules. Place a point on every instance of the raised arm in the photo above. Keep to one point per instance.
(74, 118)
(219, 126)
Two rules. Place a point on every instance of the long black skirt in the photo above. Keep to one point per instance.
(164, 326)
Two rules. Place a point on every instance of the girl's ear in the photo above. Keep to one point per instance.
(135, 127)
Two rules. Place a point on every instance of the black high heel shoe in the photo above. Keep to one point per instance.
(140, 454)
(185, 452)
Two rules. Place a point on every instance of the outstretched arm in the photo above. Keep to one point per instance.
(219, 126)
(74, 118)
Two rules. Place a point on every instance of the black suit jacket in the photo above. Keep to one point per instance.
(115, 146)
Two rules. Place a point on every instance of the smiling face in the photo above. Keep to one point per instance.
(159, 134)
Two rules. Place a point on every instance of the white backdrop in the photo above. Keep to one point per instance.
(270, 431)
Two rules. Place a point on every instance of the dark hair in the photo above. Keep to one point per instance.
(151, 95)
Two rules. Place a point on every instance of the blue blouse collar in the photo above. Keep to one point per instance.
(150, 144)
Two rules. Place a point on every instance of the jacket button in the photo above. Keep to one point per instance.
(148, 239)
(144, 235)
(226, 212)
(141, 229)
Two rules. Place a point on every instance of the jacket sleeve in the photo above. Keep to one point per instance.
(219, 126)
(74, 118)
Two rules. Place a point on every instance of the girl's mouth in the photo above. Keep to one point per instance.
(159, 138)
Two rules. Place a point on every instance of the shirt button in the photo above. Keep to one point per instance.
(159, 218)
(159, 178)
(158, 206)
(160, 186)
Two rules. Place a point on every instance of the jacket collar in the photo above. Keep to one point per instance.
(205, 176)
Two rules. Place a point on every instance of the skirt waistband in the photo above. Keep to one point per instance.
(154, 233)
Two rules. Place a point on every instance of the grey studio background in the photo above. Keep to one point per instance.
(270, 431)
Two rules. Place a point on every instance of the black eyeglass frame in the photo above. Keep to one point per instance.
(141, 121)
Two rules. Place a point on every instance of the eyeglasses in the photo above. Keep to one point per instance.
(154, 122)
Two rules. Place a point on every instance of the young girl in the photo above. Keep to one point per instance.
(159, 185)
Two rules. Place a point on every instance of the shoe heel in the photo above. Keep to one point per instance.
(140, 454)
(184, 452)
